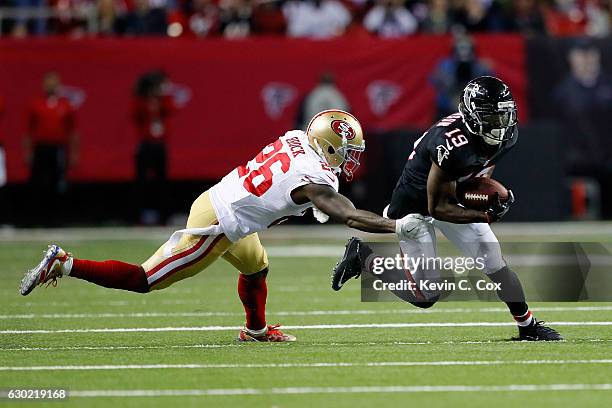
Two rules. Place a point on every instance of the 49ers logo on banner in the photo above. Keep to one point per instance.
(343, 129)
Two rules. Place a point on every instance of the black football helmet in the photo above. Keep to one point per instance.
(488, 109)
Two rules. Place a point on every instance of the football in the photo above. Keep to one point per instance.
(478, 193)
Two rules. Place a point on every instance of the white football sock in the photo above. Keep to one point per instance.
(524, 320)
(257, 332)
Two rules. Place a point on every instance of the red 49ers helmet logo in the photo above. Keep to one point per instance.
(343, 129)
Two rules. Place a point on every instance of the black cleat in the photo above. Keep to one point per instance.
(349, 266)
(536, 331)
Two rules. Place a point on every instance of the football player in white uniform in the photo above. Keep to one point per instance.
(296, 172)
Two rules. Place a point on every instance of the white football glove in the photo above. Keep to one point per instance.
(410, 227)
(320, 215)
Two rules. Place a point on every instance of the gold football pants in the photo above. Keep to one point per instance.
(194, 253)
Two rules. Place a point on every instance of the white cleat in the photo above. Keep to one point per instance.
(48, 270)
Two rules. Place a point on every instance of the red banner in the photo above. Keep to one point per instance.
(242, 94)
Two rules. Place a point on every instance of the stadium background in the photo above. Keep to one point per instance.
(240, 93)
(239, 72)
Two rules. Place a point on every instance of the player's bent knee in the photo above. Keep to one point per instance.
(257, 275)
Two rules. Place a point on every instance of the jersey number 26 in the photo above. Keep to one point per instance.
(266, 159)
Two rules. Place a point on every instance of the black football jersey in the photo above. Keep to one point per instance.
(451, 146)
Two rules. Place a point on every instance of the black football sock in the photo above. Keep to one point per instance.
(511, 293)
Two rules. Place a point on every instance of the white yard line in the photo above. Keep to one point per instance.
(298, 327)
(222, 346)
(116, 348)
(114, 303)
(294, 313)
(342, 390)
(297, 365)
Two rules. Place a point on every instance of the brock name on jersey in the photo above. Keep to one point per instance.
(458, 152)
(244, 206)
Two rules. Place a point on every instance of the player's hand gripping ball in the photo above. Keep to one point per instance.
(485, 194)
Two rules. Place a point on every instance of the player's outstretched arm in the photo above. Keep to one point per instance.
(342, 209)
(440, 193)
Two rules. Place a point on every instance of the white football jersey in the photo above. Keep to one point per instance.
(254, 197)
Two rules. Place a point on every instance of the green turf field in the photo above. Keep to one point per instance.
(181, 342)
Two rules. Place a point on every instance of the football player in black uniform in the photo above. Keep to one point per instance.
(463, 145)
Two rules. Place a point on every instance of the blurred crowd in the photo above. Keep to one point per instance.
(302, 18)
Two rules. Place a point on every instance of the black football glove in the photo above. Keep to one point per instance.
(498, 209)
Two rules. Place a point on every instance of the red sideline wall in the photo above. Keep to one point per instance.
(227, 120)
